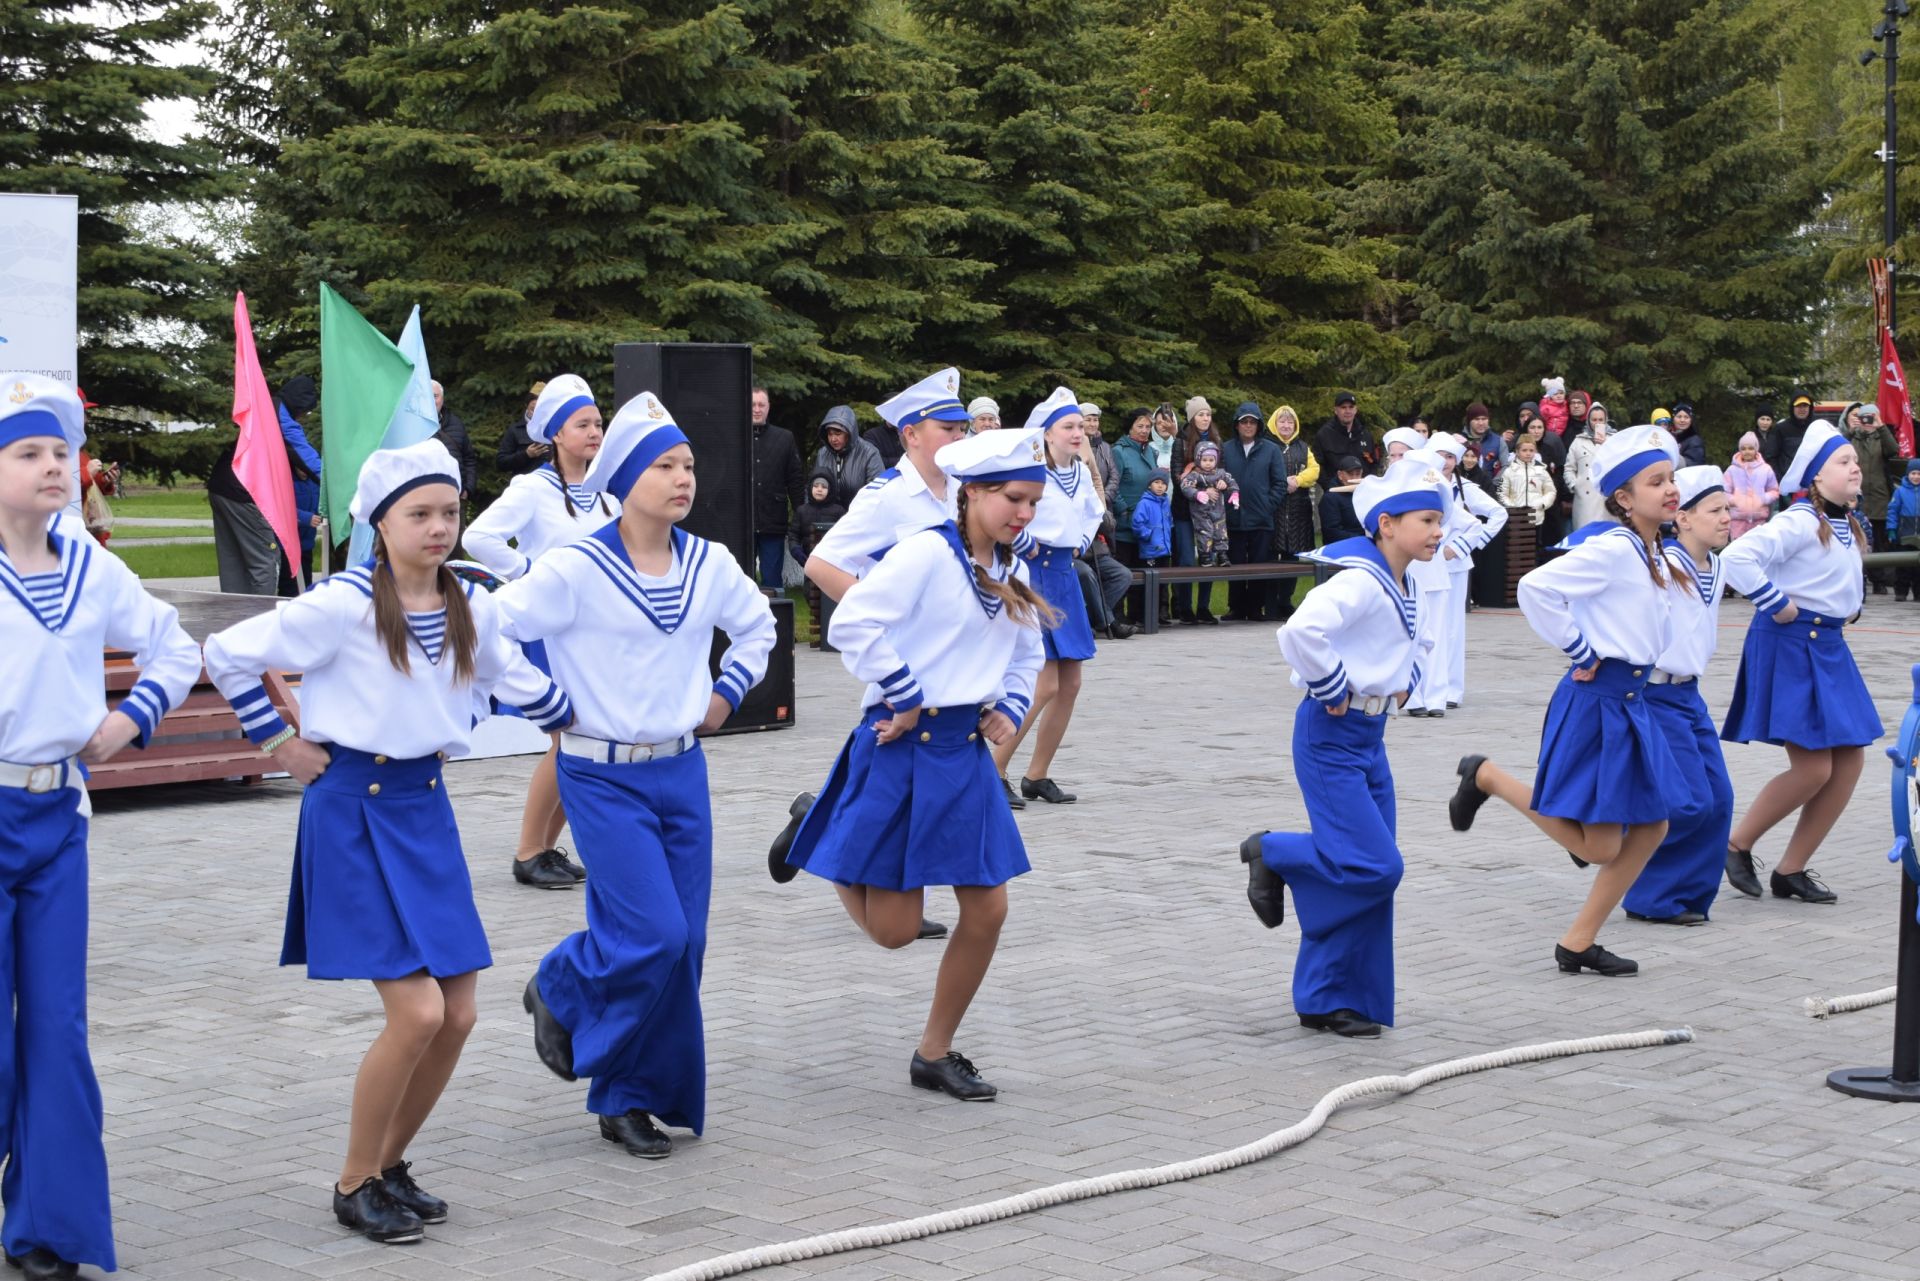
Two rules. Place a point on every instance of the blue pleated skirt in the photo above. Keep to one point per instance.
(1798, 684)
(380, 886)
(1602, 758)
(1053, 577)
(926, 809)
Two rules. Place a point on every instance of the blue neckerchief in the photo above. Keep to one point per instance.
(1707, 581)
(989, 603)
(665, 606)
(1842, 527)
(1364, 554)
(75, 561)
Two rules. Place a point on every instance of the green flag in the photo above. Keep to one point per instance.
(362, 378)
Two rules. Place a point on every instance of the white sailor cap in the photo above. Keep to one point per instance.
(1697, 482)
(1051, 410)
(641, 432)
(388, 474)
(560, 399)
(936, 396)
(1404, 436)
(35, 405)
(1445, 442)
(1626, 454)
(1820, 443)
(1413, 483)
(994, 456)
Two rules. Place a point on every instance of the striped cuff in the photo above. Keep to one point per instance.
(1332, 687)
(1025, 544)
(1413, 681)
(258, 718)
(144, 705)
(554, 710)
(1769, 599)
(733, 684)
(901, 692)
(1014, 707)
(1580, 653)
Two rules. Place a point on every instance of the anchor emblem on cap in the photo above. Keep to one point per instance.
(1432, 477)
(20, 394)
(953, 383)
(1038, 456)
(654, 410)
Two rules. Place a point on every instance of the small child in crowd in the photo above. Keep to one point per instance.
(1337, 517)
(1210, 489)
(1904, 510)
(1153, 520)
(1527, 482)
(821, 508)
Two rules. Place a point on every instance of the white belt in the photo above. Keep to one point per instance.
(1658, 677)
(40, 778)
(1371, 705)
(599, 749)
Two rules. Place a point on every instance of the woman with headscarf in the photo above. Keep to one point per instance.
(1293, 521)
(1589, 504)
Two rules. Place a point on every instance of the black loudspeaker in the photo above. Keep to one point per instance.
(708, 388)
(768, 705)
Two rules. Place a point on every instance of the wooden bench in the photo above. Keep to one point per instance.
(196, 741)
(1154, 577)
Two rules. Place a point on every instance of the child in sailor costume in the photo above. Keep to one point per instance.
(63, 601)
(628, 617)
(1473, 520)
(1798, 685)
(1607, 780)
(1680, 881)
(1357, 648)
(946, 633)
(1063, 527)
(391, 656)
(541, 510)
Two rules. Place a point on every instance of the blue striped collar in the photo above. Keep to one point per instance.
(989, 603)
(75, 561)
(1705, 581)
(1842, 527)
(584, 500)
(665, 602)
(1364, 554)
(1069, 478)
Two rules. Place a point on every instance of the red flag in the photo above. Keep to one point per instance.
(1896, 411)
(260, 458)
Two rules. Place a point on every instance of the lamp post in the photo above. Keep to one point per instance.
(1887, 34)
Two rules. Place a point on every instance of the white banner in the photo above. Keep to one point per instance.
(39, 281)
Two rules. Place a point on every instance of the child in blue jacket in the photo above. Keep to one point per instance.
(1153, 519)
(1905, 505)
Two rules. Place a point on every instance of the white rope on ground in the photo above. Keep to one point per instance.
(875, 1235)
(1818, 1007)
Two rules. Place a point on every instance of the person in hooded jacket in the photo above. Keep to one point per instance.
(1693, 448)
(1261, 468)
(1293, 522)
(850, 460)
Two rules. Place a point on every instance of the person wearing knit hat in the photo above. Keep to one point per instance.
(1606, 783)
(983, 414)
(1553, 405)
(1210, 490)
(66, 603)
(1752, 488)
(1798, 685)
(1152, 519)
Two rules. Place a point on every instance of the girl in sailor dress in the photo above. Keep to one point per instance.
(391, 655)
(541, 510)
(627, 616)
(1607, 781)
(946, 634)
(1473, 520)
(1680, 881)
(1357, 648)
(1798, 685)
(1063, 526)
(63, 600)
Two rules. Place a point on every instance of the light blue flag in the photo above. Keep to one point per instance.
(414, 420)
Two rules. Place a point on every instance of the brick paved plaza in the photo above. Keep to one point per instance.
(1138, 1014)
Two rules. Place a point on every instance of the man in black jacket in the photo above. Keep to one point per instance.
(1344, 436)
(520, 453)
(1788, 434)
(453, 434)
(777, 489)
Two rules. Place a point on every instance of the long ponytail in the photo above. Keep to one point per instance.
(390, 618)
(1023, 605)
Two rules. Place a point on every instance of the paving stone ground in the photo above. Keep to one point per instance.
(1137, 1014)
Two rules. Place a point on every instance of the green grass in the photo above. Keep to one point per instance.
(167, 562)
(123, 532)
(182, 502)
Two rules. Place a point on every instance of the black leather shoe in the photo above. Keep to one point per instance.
(1189, 621)
(1416, 711)
(1045, 789)
(553, 1043)
(1013, 798)
(1341, 1023)
(1467, 798)
(1682, 918)
(1452, 706)
(1121, 631)
(408, 1194)
(1578, 862)
(1595, 958)
(931, 929)
(636, 1132)
(370, 1211)
(1741, 873)
(1435, 712)
(573, 869)
(1801, 885)
(953, 1074)
(43, 1265)
(1266, 890)
(1206, 618)
(777, 866)
(547, 870)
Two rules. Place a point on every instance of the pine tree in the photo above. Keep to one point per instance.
(1603, 191)
(1267, 120)
(74, 88)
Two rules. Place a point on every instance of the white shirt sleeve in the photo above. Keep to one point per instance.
(1492, 518)
(747, 620)
(875, 606)
(299, 634)
(1749, 561)
(1307, 640)
(855, 539)
(168, 658)
(1546, 594)
(501, 668)
(538, 604)
(486, 539)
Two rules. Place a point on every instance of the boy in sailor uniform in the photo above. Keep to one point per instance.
(1680, 881)
(1798, 685)
(945, 633)
(1062, 528)
(1357, 648)
(628, 615)
(543, 509)
(63, 601)
(1473, 519)
(1607, 781)
(391, 656)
